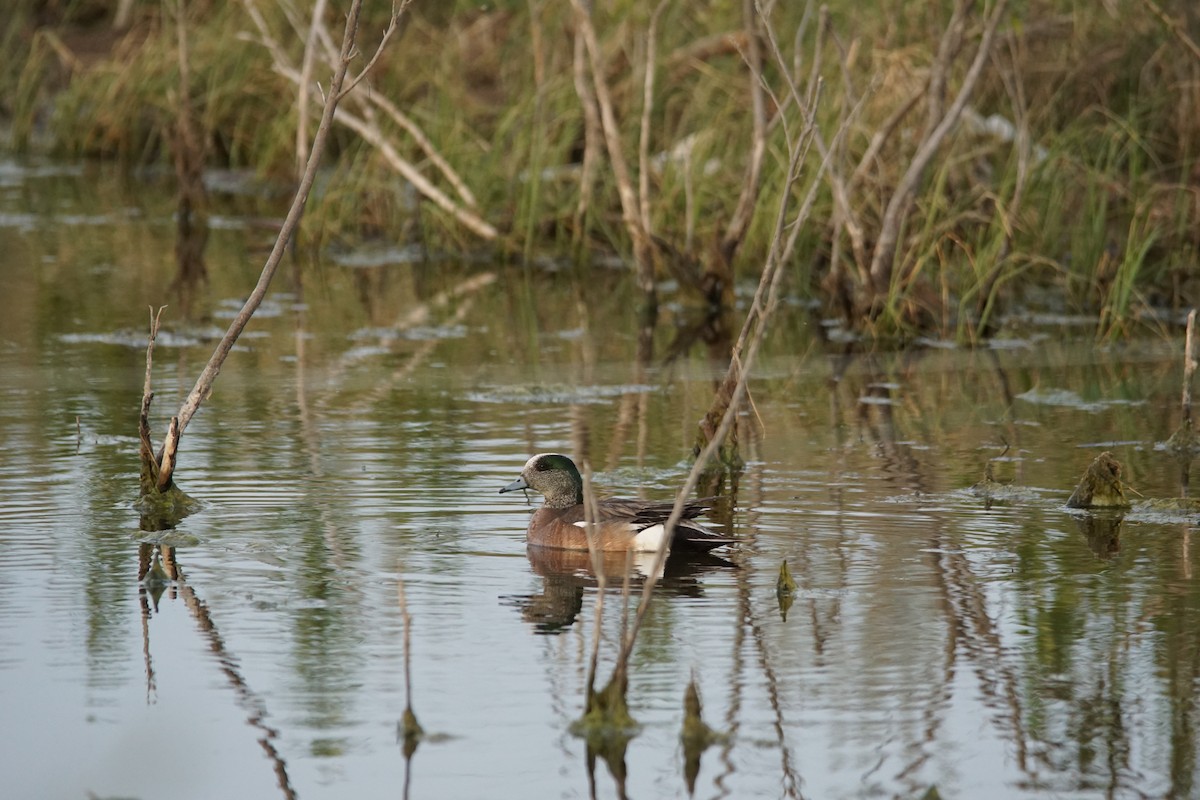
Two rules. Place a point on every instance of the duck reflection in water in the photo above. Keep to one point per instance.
(567, 573)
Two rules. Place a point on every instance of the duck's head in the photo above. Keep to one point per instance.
(552, 475)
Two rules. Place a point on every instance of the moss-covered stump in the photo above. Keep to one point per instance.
(410, 732)
(606, 724)
(1100, 486)
(164, 510)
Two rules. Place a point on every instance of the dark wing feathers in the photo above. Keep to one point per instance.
(687, 533)
(644, 514)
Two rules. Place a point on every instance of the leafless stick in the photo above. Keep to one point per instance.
(364, 103)
(647, 107)
(798, 39)
(150, 471)
(844, 59)
(880, 137)
(889, 228)
(166, 461)
(422, 141)
(824, 29)
(841, 195)
(372, 134)
(939, 71)
(278, 56)
(203, 386)
(155, 318)
(743, 212)
(592, 132)
(1189, 368)
(1175, 27)
(406, 619)
(306, 69)
(388, 33)
(591, 515)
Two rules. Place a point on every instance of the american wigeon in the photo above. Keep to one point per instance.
(621, 524)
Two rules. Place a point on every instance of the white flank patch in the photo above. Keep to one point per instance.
(649, 539)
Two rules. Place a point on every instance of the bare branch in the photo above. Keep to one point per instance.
(647, 107)
(1175, 27)
(743, 212)
(203, 386)
(371, 133)
(387, 35)
(422, 141)
(592, 131)
(306, 69)
(783, 241)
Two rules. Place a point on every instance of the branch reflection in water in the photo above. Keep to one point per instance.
(159, 573)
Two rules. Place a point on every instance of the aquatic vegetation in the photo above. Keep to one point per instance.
(785, 590)
(987, 155)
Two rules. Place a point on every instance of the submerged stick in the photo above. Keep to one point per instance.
(606, 722)
(150, 471)
(1183, 441)
(1189, 368)
(411, 731)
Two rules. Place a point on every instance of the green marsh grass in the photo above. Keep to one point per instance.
(1109, 105)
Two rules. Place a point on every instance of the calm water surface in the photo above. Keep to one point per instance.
(357, 438)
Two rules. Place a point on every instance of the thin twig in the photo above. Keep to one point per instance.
(363, 122)
(1175, 27)
(422, 141)
(844, 210)
(743, 212)
(591, 515)
(647, 108)
(406, 619)
(383, 40)
(939, 70)
(307, 62)
(592, 133)
(1189, 368)
(883, 258)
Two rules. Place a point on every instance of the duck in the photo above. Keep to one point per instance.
(621, 525)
